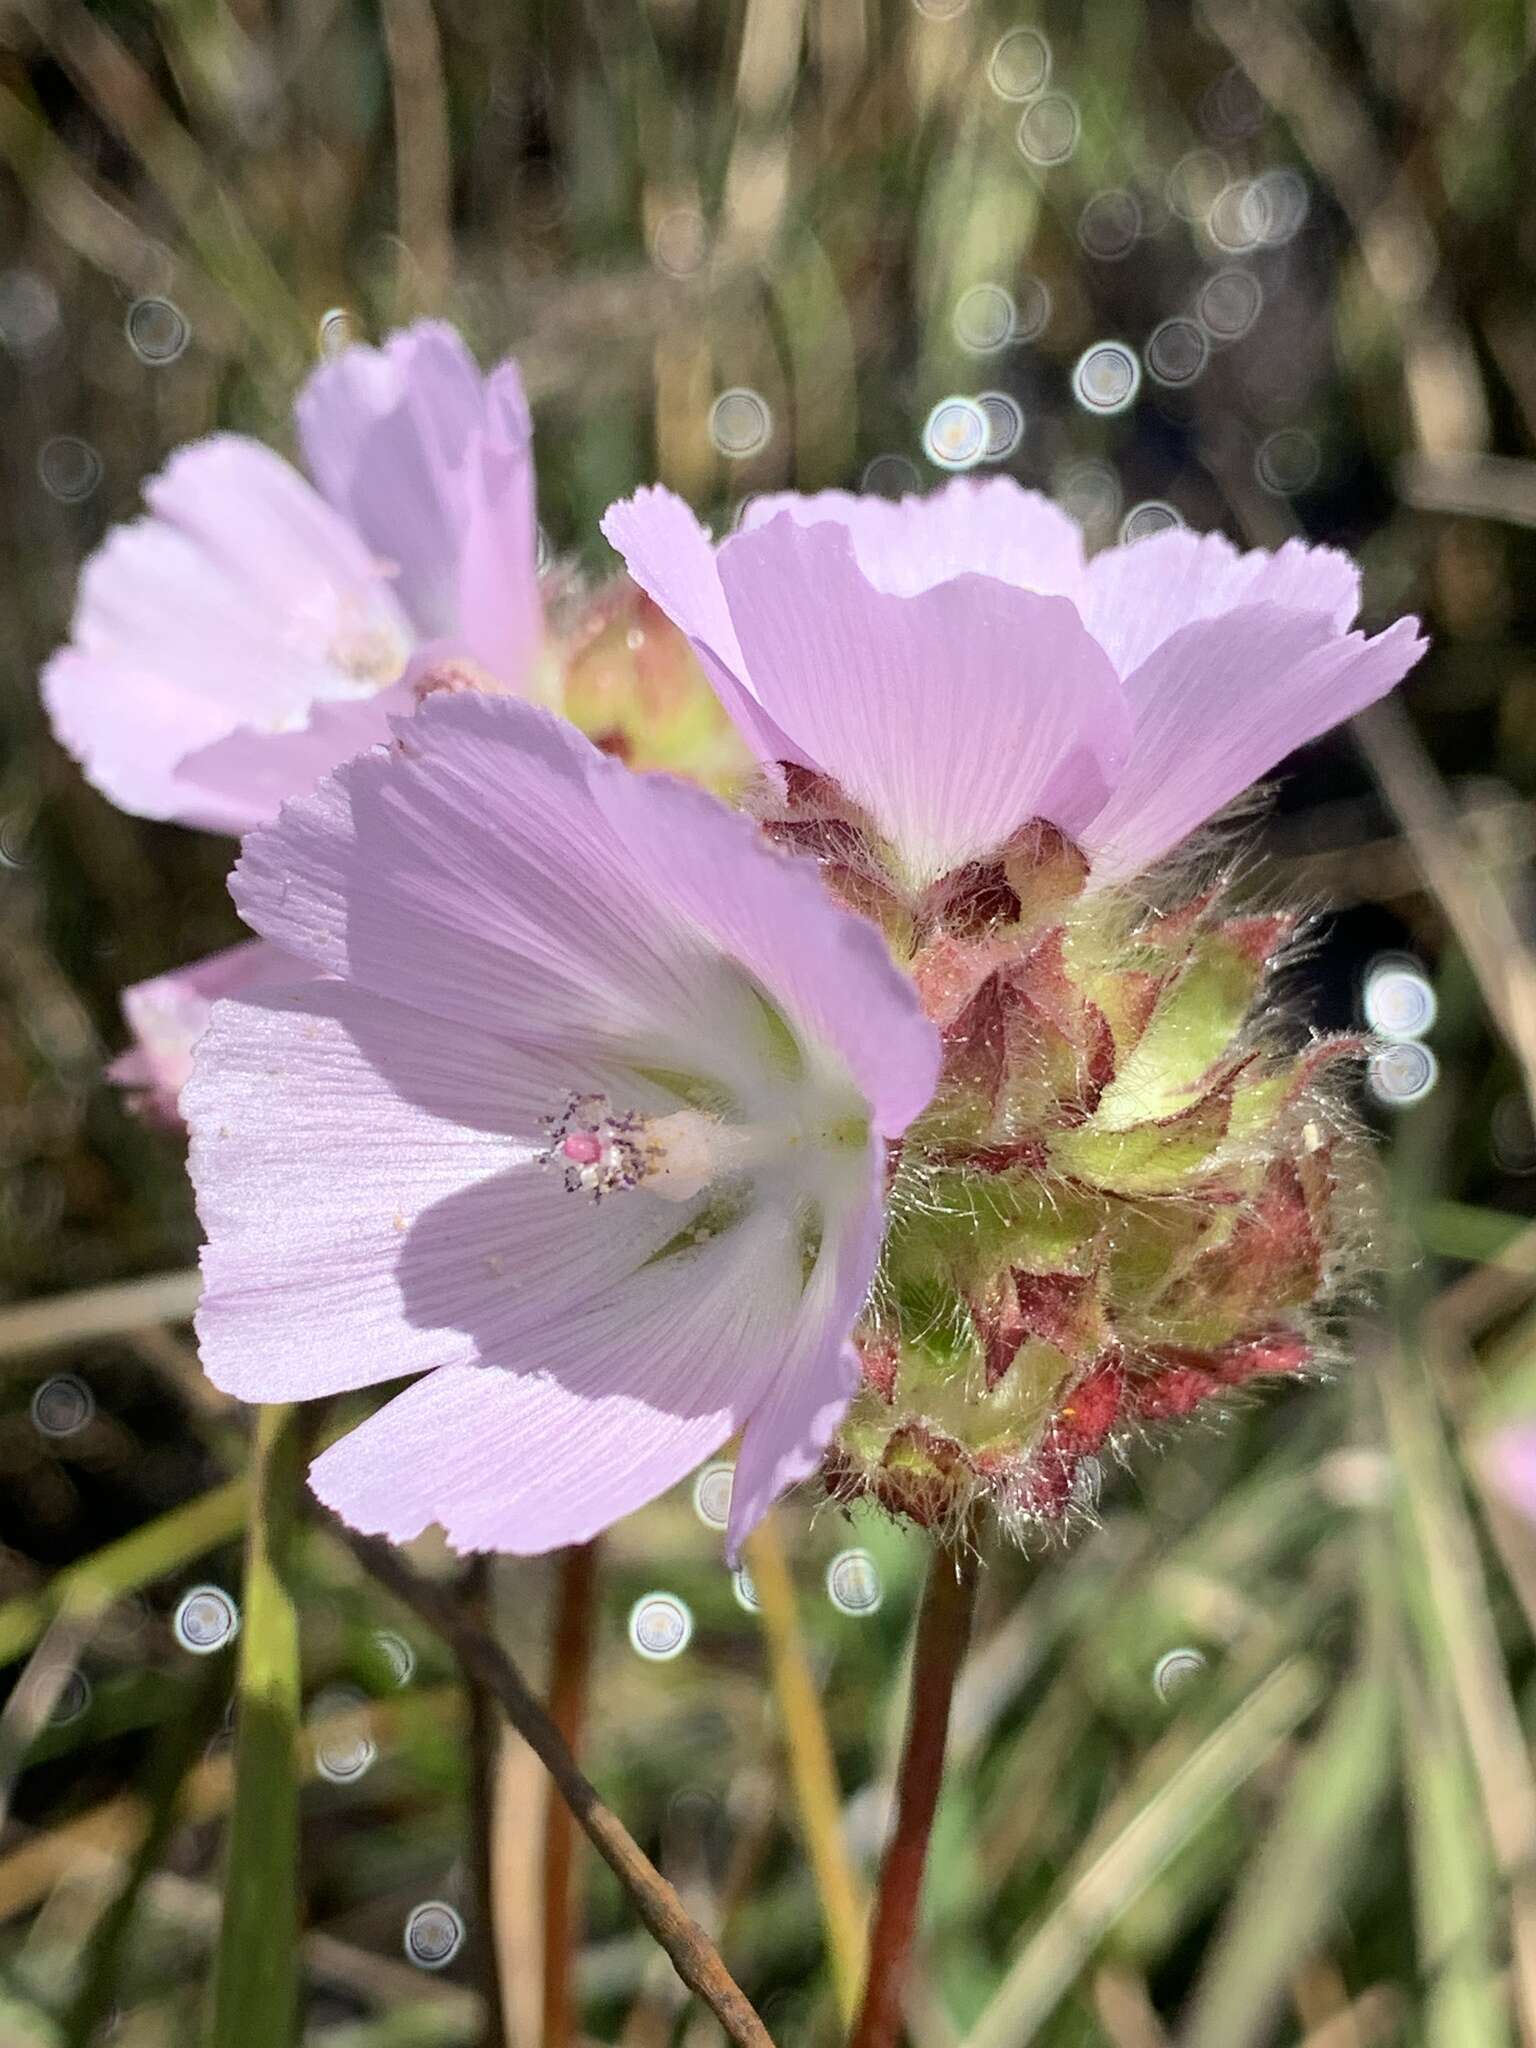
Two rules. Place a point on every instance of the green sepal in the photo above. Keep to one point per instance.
(1148, 1159)
(1190, 1032)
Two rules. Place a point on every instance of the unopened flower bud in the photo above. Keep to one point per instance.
(1126, 1200)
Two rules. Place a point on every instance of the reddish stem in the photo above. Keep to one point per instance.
(943, 1630)
(483, 1733)
(571, 1664)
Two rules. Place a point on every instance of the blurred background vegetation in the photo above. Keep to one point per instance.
(737, 245)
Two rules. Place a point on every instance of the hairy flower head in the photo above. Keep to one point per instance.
(1134, 1190)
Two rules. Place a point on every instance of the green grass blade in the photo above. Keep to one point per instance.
(1293, 1888)
(1113, 1872)
(138, 1559)
(255, 1980)
(1455, 1892)
(181, 1741)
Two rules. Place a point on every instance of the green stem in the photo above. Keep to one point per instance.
(255, 1979)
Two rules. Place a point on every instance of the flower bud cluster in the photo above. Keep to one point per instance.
(1128, 1198)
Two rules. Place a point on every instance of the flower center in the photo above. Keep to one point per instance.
(371, 655)
(601, 1151)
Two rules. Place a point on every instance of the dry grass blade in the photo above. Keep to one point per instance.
(423, 161)
(1296, 1883)
(115, 1828)
(1478, 486)
(81, 216)
(1476, 905)
(1124, 2009)
(1116, 1866)
(812, 1768)
(58, 1321)
(1373, 2019)
(39, 1689)
(693, 1954)
(1462, 1651)
(125, 97)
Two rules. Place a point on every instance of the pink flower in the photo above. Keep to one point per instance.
(956, 666)
(253, 631)
(589, 1128)
(1511, 1463)
(169, 1014)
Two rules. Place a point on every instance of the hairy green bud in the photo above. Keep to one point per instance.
(1129, 1197)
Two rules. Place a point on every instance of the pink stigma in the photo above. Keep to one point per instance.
(583, 1148)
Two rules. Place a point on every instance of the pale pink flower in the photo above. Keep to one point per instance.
(1511, 1463)
(590, 1127)
(169, 1013)
(253, 630)
(956, 666)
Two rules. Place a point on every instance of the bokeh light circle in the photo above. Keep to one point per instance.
(1511, 1136)
(1109, 223)
(1288, 461)
(1397, 1000)
(986, 319)
(660, 1626)
(955, 433)
(740, 423)
(1195, 183)
(1005, 424)
(206, 1619)
(853, 1583)
(1049, 129)
(1020, 64)
(712, 1495)
(1090, 493)
(1031, 308)
(1401, 1074)
(1238, 219)
(62, 1405)
(1106, 377)
(434, 1934)
(745, 1590)
(1177, 352)
(73, 1700)
(1229, 303)
(1152, 515)
(344, 1748)
(68, 468)
(1174, 1670)
(336, 332)
(1287, 202)
(1232, 107)
(157, 331)
(890, 476)
(680, 241)
(395, 1654)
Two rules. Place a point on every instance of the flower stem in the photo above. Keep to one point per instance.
(255, 1988)
(575, 1603)
(484, 1737)
(943, 1630)
(813, 1772)
(694, 1955)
